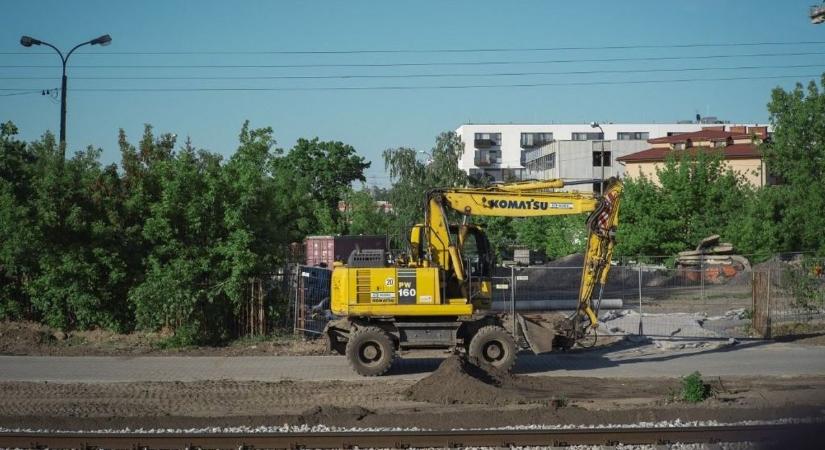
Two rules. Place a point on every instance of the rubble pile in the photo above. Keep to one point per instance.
(717, 261)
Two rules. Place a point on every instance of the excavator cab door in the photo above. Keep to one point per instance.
(479, 261)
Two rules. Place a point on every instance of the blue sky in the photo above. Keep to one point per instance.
(372, 120)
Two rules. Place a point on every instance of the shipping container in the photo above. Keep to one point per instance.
(324, 250)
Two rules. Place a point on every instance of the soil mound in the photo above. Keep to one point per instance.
(572, 260)
(18, 338)
(324, 414)
(459, 381)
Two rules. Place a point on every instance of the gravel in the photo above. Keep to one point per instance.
(332, 429)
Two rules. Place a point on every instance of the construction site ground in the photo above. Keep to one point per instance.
(102, 383)
(401, 403)
(30, 338)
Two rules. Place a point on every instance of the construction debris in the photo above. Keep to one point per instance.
(717, 261)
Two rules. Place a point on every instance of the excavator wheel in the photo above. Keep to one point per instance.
(494, 346)
(370, 351)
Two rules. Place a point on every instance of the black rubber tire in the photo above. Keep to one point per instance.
(370, 351)
(493, 345)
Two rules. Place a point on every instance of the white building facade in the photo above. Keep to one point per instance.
(573, 152)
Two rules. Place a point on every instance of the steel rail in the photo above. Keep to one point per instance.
(787, 435)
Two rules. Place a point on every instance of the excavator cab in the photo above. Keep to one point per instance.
(478, 259)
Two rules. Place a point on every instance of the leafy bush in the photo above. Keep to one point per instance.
(167, 239)
(806, 284)
(694, 389)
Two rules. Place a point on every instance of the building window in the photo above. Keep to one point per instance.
(587, 136)
(546, 162)
(482, 175)
(508, 175)
(597, 187)
(676, 133)
(597, 159)
(549, 162)
(633, 135)
(485, 158)
(487, 140)
(530, 140)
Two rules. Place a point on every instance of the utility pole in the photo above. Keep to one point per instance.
(28, 41)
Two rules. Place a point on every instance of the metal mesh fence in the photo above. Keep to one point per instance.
(795, 294)
(710, 302)
(309, 291)
(650, 299)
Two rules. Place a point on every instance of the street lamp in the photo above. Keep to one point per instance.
(28, 41)
(601, 158)
(430, 158)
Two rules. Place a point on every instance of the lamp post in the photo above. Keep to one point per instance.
(601, 158)
(28, 41)
(430, 158)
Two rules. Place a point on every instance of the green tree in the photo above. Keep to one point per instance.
(363, 215)
(796, 154)
(326, 169)
(697, 196)
(20, 241)
(555, 235)
(412, 178)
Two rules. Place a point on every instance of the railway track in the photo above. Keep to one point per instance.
(786, 436)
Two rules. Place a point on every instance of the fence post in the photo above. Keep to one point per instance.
(513, 298)
(641, 327)
(768, 308)
(296, 276)
(702, 277)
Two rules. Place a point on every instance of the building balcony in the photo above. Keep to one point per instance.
(484, 143)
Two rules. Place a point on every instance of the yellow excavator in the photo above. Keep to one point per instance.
(437, 298)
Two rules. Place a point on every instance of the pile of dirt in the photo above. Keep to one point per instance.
(459, 381)
(18, 338)
(326, 414)
(572, 260)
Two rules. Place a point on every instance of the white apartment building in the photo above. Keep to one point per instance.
(572, 152)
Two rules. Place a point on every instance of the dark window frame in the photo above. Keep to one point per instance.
(587, 135)
(632, 135)
(539, 138)
(597, 155)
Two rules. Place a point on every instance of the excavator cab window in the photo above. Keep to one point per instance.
(475, 248)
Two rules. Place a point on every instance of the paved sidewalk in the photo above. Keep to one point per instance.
(745, 359)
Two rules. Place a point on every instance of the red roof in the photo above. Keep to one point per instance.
(703, 135)
(735, 151)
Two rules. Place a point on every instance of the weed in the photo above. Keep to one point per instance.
(560, 402)
(694, 389)
(672, 395)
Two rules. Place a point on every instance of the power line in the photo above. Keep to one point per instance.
(436, 75)
(442, 50)
(422, 64)
(25, 92)
(400, 88)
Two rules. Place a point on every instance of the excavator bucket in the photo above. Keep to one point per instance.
(543, 332)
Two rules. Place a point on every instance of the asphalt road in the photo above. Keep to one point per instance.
(743, 359)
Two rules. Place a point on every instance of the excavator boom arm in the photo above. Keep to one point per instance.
(530, 199)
